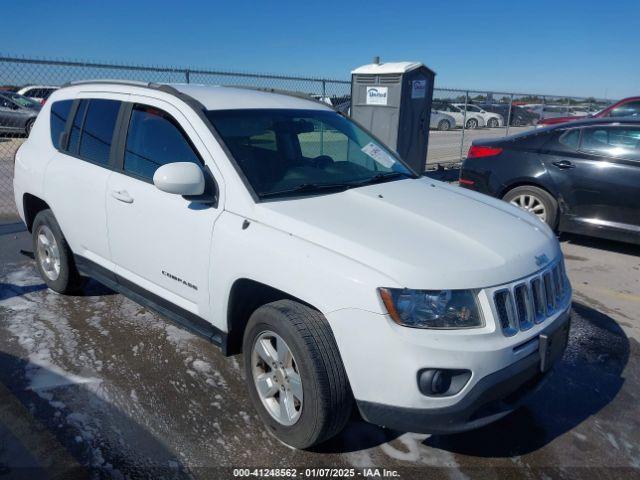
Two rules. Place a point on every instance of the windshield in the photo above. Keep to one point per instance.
(21, 100)
(303, 151)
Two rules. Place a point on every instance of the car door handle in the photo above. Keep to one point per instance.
(122, 195)
(564, 164)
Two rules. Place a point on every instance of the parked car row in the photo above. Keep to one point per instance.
(581, 177)
(19, 109)
(17, 113)
(39, 93)
(627, 107)
(518, 116)
(480, 115)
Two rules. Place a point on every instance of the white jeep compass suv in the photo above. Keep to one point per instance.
(275, 227)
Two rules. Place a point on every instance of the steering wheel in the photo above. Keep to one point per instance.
(322, 161)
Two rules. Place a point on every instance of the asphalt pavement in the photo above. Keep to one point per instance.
(96, 386)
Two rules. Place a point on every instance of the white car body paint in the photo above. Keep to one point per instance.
(459, 115)
(486, 116)
(332, 251)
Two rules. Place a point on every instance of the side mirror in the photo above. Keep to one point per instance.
(180, 178)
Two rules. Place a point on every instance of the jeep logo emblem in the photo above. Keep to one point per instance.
(541, 260)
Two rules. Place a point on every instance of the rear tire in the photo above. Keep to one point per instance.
(324, 404)
(536, 201)
(472, 124)
(53, 256)
(444, 125)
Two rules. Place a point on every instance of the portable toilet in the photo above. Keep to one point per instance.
(393, 101)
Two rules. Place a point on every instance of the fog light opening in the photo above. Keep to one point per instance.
(442, 382)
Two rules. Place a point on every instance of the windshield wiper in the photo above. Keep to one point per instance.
(307, 188)
(379, 178)
(336, 187)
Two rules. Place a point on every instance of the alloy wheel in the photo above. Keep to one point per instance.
(48, 252)
(531, 204)
(276, 378)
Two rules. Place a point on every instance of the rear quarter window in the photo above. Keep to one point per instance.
(59, 114)
(97, 131)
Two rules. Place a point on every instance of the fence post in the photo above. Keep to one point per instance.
(324, 94)
(186, 76)
(509, 115)
(464, 122)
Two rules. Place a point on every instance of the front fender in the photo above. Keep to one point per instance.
(329, 281)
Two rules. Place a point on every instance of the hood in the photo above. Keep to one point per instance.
(420, 233)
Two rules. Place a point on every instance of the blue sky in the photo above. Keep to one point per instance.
(554, 47)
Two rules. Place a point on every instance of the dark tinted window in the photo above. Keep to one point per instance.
(5, 103)
(281, 151)
(59, 115)
(615, 142)
(570, 138)
(46, 93)
(630, 109)
(74, 135)
(154, 139)
(97, 133)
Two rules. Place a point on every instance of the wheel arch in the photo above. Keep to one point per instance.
(245, 297)
(32, 205)
(528, 182)
(561, 208)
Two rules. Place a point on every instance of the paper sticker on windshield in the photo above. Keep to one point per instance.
(378, 154)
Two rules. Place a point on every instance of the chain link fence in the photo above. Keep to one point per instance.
(458, 116)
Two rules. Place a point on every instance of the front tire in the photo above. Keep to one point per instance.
(536, 201)
(444, 125)
(294, 373)
(53, 256)
(493, 123)
(472, 124)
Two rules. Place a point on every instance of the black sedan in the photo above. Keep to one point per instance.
(518, 116)
(17, 113)
(581, 177)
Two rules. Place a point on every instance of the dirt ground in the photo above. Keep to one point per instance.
(95, 386)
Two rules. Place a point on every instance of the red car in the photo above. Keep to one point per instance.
(627, 107)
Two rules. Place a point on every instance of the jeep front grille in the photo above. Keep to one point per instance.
(533, 300)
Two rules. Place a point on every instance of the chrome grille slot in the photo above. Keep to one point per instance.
(557, 280)
(523, 306)
(549, 292)
(565, 279)
(539, 300)
(519, 306)
(506, 312)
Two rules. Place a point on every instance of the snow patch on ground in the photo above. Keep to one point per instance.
(201, 366)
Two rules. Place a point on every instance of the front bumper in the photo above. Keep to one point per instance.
(382, 360)
(491, 398)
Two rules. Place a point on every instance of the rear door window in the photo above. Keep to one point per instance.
(613, 142)
(59, 114)
(570, 139)
(154, 139)
(76, 128)
(97, 132)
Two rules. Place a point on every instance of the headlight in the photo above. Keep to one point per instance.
(432, 308)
